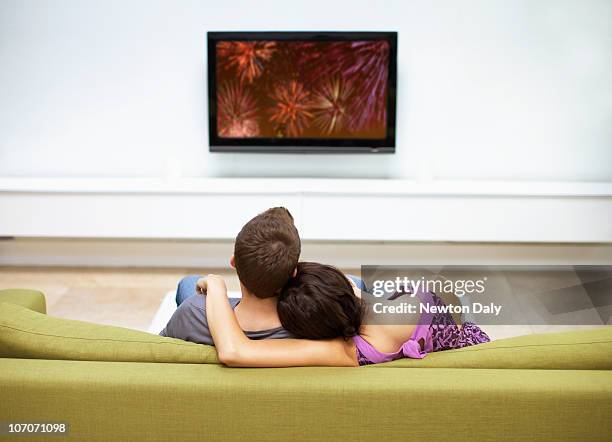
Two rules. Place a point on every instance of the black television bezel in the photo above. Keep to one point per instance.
(302, 145)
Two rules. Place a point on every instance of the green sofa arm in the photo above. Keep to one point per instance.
(31, 299)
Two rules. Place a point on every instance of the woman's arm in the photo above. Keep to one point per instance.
(235, 349)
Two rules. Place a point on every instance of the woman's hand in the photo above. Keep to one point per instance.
(214, 283)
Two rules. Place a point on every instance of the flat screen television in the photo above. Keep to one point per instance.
(302, 91)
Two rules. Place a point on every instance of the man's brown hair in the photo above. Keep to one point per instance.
(267, 251)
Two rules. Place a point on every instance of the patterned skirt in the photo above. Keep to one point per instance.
(447, 335)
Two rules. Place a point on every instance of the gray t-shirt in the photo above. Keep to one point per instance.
(189, 323)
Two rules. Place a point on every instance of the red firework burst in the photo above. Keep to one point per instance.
(248, 57)
(236, 111)
(330, 105)
(292, 110)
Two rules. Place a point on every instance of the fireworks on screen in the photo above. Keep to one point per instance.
(302, 89)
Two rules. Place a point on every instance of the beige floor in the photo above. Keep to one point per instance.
(128, 297)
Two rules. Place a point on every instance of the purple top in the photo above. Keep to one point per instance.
(409, 349)
(367, 354)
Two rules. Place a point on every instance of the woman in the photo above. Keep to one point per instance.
(323, 306)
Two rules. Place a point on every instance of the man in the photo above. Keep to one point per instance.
(266, 253)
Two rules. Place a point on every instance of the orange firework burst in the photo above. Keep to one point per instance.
(248, 57)
(236, 111)
(292, 109)
(330, 105)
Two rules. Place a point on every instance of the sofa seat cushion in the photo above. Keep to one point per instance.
(28, 334)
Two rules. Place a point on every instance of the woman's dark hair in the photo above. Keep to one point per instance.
(319, 303)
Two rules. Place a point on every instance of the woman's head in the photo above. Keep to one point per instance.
(319, 303)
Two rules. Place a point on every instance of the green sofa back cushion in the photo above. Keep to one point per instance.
(31, 335)
(32, 299)
(573, 350)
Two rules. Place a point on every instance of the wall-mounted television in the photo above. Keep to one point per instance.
(302, 91)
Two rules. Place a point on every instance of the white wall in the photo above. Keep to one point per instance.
(491, 89)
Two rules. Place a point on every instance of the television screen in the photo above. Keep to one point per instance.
(302, 91)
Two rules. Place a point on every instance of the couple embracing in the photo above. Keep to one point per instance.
(299, 313)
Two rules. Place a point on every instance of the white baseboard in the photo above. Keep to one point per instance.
(350, 255)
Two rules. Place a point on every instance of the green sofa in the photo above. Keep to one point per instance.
(117, 384)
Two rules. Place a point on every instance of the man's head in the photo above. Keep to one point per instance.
(266, 252)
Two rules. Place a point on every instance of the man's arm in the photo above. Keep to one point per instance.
(235, 349)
